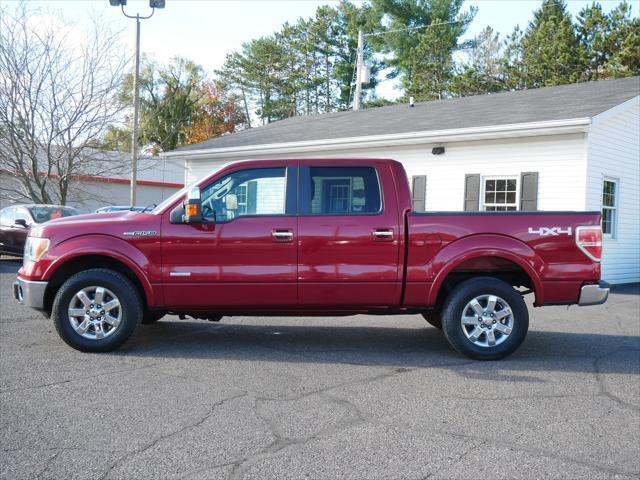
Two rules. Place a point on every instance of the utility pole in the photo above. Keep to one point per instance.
(362, 75)
(357, 101)
(136, 109)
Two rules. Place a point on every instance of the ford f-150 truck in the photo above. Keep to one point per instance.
(309, 237)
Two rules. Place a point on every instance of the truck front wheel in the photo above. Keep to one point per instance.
(485, 318)
(96, 310)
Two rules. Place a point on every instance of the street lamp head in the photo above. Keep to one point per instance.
(117, 3)
(156, 3)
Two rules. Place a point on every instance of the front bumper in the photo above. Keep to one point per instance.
(594, 294)
(29, 292)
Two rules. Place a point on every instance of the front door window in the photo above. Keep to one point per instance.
(258, 191)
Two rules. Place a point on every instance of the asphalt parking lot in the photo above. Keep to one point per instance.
(353, 398)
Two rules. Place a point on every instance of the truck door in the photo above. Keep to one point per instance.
(247, 258)
(348, 236)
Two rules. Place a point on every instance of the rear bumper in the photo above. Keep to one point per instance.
(29, 292)
(594, 294)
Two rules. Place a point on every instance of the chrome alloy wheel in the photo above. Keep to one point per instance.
(95, 312)
(487, 320)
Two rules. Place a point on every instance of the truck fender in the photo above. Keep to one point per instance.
(486, 245)
(106, 246)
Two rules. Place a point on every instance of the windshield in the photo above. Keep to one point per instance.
(46, 213)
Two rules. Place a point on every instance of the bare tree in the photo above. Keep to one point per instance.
(58, 95)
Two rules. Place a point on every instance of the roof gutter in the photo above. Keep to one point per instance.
(552, 127)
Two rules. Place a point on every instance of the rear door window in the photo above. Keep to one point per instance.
(341, 191)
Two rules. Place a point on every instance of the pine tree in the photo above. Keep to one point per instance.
(423, 55)
(623, 43)
(593, 28)
(512, 61)
(551, 54)
(484, 70)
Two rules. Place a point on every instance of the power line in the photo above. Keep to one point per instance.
(375, 34)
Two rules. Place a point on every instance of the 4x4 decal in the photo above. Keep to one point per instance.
(550, 231)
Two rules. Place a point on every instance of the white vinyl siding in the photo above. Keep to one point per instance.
(270, 198)
(614, 154)
(198, 169)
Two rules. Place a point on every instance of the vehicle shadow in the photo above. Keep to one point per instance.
(10, 264)
(397, 346)
(626, 289)
(379, 346)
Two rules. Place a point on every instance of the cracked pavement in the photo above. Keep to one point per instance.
(322, 398)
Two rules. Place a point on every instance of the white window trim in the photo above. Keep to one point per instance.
(616, 202)
(245, 187)
(483, 184)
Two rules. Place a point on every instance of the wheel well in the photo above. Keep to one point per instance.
(489, 266)
(86, 262)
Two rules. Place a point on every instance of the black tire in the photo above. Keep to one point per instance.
(151, 317)
(453, 311)
(434, 318)
(130, 303)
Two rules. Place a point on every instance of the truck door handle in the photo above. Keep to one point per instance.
(383, 234)
(282, 235)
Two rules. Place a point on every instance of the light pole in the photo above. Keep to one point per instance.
(153, 4)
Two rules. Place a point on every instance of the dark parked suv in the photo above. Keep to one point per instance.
(16, 222)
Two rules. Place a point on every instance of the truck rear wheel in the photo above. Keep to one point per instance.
(485, 318)
(96, 310)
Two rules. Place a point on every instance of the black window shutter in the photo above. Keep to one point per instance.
(472, 192)
(419, 193)
(529, 191)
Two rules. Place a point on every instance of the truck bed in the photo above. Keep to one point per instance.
(540, 244)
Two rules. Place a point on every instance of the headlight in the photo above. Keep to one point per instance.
(35, 248)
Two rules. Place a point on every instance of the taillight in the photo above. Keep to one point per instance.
(589, 240)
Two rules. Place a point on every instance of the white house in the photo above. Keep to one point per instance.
(570, 147)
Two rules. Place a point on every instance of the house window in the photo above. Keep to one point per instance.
(609, 207)
(500, 194)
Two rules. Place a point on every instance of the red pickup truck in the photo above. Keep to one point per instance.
(309, 237)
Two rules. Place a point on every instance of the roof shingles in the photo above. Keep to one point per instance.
(562, 102)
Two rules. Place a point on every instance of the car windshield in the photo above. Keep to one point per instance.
(45, 213)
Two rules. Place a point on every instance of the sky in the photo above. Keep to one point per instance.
(206, 30)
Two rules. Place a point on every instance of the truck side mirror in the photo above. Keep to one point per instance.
(21, 222)
(192, 207)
